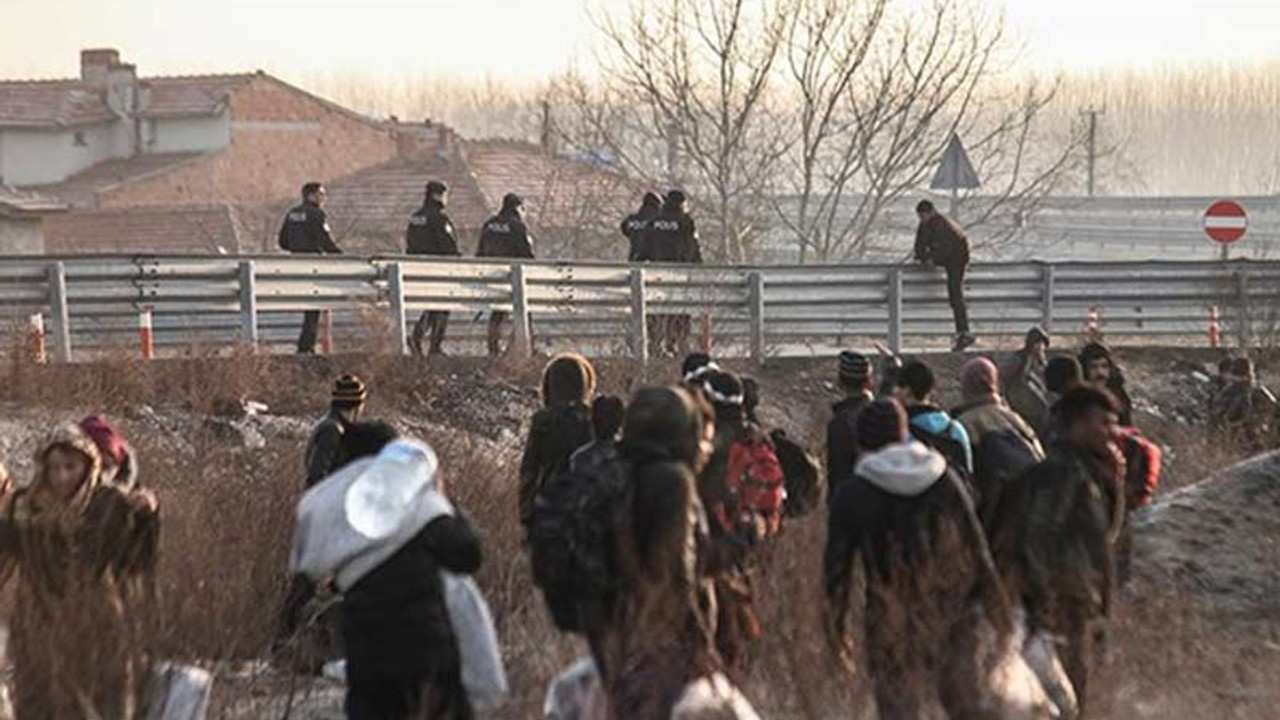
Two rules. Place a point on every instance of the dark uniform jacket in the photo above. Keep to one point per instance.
(395, 619)
(634, 228)
(430, 232)
(671, 238)
(941, 242)
(306, 230)
(505, 236)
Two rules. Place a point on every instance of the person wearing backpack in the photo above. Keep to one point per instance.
(559, 428)
(568, 536)
(930, 582)
(658, 639)
(1004, 445)
(929, 423)
(743, 489)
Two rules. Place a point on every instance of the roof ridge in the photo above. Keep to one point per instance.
(204, 76)
(45, 81)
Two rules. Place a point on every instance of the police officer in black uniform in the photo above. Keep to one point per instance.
(306, 232)
(634, 226)
(431, 233)
(671, 237)
(504, 236)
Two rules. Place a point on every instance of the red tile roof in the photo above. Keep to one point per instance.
(51, 103)
(559, 192)
(194, 96)
(195, 230)
(83, 188)
(370, 209)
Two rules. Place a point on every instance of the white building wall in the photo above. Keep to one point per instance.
(188, 134)
(36, 157)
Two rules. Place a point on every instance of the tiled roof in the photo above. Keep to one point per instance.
(559, 192)
(195, 230)
(83, 188)
(22, 202)
(370, 209)
(51, 103)
(192, 96)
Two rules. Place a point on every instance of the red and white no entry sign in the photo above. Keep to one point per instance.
(1225, 221)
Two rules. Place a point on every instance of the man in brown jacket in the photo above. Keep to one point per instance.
(939, 241)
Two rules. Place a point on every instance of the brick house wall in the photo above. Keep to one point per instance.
(281, 137)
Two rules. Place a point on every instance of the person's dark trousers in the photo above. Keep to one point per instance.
(310, 330)
(497, 319)
(372, 695)
(1084, 633)
(433, 325)
(955, 294)
(305, 646)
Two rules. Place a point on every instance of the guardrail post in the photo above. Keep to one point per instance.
(755, 296)
(523, 341)
(895, 309)
(1046, 297)
(59, 315)
(248, 304)
(639, 331)
(146, 334)
(395, 285)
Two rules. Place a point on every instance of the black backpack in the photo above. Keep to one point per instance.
(806, 486)
(1001, 457)
(571, 537)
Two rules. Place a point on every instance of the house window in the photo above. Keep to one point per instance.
(79, 140)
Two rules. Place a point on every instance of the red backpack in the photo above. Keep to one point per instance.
(755, 484)
(1142, 467)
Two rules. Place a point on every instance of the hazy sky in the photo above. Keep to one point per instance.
(519, 39)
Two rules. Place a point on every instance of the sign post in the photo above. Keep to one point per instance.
(955, 172)
(1226, 222)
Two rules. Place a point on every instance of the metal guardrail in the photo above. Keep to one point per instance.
(91, 303)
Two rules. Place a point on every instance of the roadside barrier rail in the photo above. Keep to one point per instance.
(92, 303)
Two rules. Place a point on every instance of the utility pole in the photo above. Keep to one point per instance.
(1092, 140)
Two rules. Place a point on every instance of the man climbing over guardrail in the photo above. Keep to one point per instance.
(305, 231)
(939, 241)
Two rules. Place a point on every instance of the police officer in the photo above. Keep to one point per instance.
(306, 232)
(671, 237)
(634, 226)
(431, 233)
(939, 241)
(504, 236)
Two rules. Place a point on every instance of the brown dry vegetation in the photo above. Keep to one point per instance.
(227, 512)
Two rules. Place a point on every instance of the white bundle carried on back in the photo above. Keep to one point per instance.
(357, 518)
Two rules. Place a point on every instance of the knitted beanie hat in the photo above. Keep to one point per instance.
(855, 368)
(349, 389)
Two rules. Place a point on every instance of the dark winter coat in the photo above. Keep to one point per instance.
(910, 519)
(1074, 511)
(671, 237)
(1023, 386)
(505, 235)
(1244, 413)
(941, 242)
(634, 228)
(842, 441)
(324, 449)
(306, 230)
(554, 435)
(430, 232)
(394, 619)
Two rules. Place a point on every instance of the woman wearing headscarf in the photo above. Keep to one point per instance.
(78, 545)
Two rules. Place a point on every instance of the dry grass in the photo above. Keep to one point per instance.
(227, 513)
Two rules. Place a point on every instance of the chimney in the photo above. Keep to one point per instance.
(94, 65)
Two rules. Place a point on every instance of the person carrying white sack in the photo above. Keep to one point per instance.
(386, 533)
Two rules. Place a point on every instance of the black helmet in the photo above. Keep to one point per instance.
(435, 187)
(676, 198)
(511, 201)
